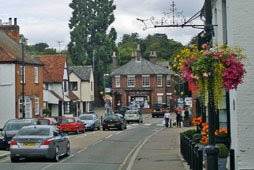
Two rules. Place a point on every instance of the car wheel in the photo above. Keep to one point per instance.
(14, 159)
(103, 129)
(68, 152)
(99, 127)
(56, 158)
(153, 116)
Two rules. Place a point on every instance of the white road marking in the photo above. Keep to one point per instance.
(118, 132)
(147, 124)
(159, 125)
(108, 136)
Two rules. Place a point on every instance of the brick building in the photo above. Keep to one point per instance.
(10, 77)
(142, 82)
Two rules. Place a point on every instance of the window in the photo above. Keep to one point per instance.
(117, 81)
(66, 107)
(131, 81)
(159, 81)
(28, 107)
(168, 81)
(159, 98)
(21, 74)
(36, 75)
(73, 86)
(37, 106)
(46, 86)
(91, 86)
(65, 85)
(145, 81)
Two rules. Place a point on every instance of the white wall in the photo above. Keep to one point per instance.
(87, 93)
(240, 33)
(7, 93)
(74, 78)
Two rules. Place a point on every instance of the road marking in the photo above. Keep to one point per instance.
(147, 124)
(82, 150)
(108, 136)
(97, 142)
(118, 132)
(134, 156)
(159, 125)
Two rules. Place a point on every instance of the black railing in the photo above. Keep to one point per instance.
(192, 153)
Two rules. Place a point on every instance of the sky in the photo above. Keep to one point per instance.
(47, 21)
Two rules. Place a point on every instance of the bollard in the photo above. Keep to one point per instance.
(200, 159)
(232, 159)
(196, 147)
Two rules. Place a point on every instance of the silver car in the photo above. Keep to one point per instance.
(91, 121)
(39, 141)
(133, 116)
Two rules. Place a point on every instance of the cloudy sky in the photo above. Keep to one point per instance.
(47, 20)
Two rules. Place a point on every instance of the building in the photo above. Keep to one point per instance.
(56, 94)
(81, 84)
(11, 77)
(142, 83)
(235, 28)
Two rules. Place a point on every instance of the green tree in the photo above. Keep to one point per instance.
(88, 32)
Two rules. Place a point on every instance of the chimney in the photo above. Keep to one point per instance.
(152, 57)
(138, 53)
(114, 61)
(11, 30)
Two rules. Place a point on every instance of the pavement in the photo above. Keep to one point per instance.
(161, 152)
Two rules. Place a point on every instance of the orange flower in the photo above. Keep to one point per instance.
(221, 133)
(197, 121)
(204, 140)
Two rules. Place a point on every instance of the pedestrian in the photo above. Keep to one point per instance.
(178, 119)
(166, 118)
(186, 117)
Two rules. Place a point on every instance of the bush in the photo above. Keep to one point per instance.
(189, 133)
(223, 150)
(197, 137)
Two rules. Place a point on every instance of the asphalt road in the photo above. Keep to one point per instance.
(99, 150)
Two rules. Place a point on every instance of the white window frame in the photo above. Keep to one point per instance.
(21, 73)
(145, 81)
(160, 95)
(28, 107)
(159, 80)
(131, 81)
(36, 75)
(36, 106)
(118, 81)
(168, 81)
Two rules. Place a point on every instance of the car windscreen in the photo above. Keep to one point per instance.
(16, 125)
(44, 122)
(131, 112)
(34, 132)
(111, 117)
(86, 117)
(68, 121)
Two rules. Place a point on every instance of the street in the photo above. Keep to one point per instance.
(109, 150)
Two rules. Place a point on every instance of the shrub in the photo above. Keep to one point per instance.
(197, 137)
(189, 133)
(223, 150)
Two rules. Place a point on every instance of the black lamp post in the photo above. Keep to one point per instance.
(23, 83)
(211, 150)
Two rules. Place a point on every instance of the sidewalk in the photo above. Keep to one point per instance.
(4, 154)
(161, 151)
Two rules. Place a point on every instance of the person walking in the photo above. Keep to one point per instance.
(186, 117)
(178, 119)
(166, 118)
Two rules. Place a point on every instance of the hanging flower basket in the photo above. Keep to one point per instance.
(222, 66)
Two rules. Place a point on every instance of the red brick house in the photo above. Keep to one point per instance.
(142, 82)
(10, 77)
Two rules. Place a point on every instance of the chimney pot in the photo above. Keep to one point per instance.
(10, 21)
(15, 21)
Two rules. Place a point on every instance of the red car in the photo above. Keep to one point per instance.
(49, 121)
(72, 124)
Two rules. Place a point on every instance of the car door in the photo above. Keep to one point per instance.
(59, 140)
(79, 124)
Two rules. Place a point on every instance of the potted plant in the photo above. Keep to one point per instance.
(222, 157)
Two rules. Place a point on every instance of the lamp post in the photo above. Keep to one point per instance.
(23, 83)
(211, 150)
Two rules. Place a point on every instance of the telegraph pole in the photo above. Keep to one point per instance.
(23, 81)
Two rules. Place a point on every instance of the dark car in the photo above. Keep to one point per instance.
(113, 121)
(122, 110)
(11, 128)
(158, 110)
(39, 141)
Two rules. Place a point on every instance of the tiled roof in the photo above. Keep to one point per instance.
(53, 70)
(72, 96)
(10, 51)
(142, 67)
(83, 72)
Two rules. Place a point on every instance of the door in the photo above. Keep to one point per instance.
(60, 109)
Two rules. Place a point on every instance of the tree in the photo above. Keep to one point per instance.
(88, 32)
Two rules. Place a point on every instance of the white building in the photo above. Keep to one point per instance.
(235, 27)
(55, 93)
(81, 83)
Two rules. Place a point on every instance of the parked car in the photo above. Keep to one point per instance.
(113, 121)
(49, 121)
(91, 121)
(72, 124)
(39, 141)
(133, 116)
(11, 128)
(122, 117)
(122, 110)
(159, 109)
